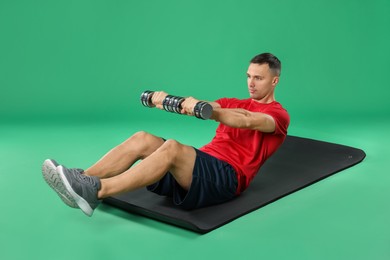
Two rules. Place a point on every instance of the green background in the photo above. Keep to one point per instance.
(71, 73)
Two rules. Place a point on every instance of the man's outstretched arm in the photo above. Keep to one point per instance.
(233, 117)
(241, 118)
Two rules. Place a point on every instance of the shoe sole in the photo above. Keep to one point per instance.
(67, 188)
(50, 174)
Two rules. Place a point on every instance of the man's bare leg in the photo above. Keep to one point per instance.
(172, 156)
(120, 158)
(84, 191)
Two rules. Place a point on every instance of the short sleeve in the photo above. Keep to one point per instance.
(282, 120)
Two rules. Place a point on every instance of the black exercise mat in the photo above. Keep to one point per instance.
(298, 163)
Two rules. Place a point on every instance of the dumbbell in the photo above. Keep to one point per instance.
(202, 110)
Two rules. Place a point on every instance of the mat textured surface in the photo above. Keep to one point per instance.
(298, 163)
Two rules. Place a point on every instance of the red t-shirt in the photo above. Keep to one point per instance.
(244, 149)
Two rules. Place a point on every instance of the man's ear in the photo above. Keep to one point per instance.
(275, 81)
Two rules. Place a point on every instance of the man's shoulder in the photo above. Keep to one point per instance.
(230, 100)
(277, 105)
(277, 111)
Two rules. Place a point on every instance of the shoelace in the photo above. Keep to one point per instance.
(82, 177)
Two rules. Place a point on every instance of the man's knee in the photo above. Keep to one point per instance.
(175, 151)
(142, 142)
(141, 135)
(171, 145)
(144, 137)
(135, 138)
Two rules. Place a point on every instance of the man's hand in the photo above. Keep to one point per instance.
(188, 106)
(158, 98)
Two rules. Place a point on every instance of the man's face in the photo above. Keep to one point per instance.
(261, 82)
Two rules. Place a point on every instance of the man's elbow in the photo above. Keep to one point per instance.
(266, 124)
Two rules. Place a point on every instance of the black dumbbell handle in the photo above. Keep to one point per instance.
(172, 104)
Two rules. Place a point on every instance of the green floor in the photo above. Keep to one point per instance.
(345, 216)
(72, 71)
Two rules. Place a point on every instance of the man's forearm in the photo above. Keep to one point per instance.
(241, 118)
(233, 117)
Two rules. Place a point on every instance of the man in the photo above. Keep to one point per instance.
(250, 131)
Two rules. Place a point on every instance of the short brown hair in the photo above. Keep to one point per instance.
(267, 58)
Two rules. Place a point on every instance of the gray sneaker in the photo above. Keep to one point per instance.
(83, 189)
(51, 176)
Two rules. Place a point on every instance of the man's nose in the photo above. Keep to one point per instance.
(251, 83)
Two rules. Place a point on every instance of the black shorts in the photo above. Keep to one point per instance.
(213, 181)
